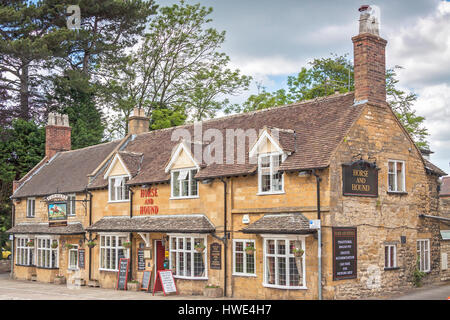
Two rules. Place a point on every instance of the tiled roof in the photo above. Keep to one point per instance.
(280, 223)
(433, 168)
(319, 126)
(66, 172)
(445, 187)
(191, 223)
(132, 161)
(43, 228)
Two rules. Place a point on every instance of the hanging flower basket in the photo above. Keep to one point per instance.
(200, 247)
(91, 244)
(298, 252)
(126, 244)
(250, 249)
(30, 243)
(54, 244)
(68, 246)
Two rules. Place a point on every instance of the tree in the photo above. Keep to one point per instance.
(324, 77)
(178, 69)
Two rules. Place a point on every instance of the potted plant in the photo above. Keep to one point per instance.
(298, 252)
(59, 279)
(133, 285)
(91, 244)
(199, 247)
(54, 244)
(126, 244)
(250, 249)
(212, 291)
(30, 243)
(68, 246)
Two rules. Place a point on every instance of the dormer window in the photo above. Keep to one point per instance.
(118, 191)
(183, 183)
(270, 179)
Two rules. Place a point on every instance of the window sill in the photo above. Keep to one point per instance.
(397, 192)
(274, 286)
(73, 269)
(248, 275)
(47, 268)
(181, 198)
(270, 193)
(30, 217)
(24, 265)
(392, 268)
(118, 201)
(190, 278)
(107, 270)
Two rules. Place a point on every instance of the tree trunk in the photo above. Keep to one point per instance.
(24, 111)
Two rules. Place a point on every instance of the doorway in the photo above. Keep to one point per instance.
(159, 261)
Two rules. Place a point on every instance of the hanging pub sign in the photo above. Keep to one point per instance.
(215, 256)
(57, 210)
(360, 178)
(344, 253)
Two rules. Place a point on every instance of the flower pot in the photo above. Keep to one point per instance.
(131, 286)
(298, 254)
(213, 292)
(250, 251)
(199, 249)
(91, 245)
(59, 280)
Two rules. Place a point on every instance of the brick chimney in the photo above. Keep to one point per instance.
(57, 134)
(370, 59)
(138, 122)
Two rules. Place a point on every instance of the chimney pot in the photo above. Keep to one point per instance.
(138, 122)
(57, 134)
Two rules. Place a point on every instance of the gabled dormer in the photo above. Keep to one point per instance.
(117, 175)
(271, 149)
(182, 168)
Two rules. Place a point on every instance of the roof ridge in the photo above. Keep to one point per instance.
(93, 146)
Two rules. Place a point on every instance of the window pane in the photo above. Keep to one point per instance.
(199, 268)
(281, 271)
(175, 184)
(194, 183)
(400, 186)
(295, 271)
(239, 262)
(391, 179)
(112, 190)
(239, 245)
(265, 181)
(271, 246)
(270, 270)
(250, 263)
(281, 247)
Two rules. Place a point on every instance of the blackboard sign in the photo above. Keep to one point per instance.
(360, 178)
(81, 258)
(344, 253)
(215, 256)
(165, 278)
(146, 277)
(122, 274)
(140, 260)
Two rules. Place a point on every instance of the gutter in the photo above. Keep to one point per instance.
(319, 238)
(225, 235)
(131, 236)
(90, 234)
(443, 219)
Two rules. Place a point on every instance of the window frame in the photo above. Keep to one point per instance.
(391, 264)
(33, 215)
(109, 247)
(270, 155)
(245, 273)
(180, 183)
(21, 246)
(41, 252)
(192, 237)
(403, 162)
(427, 251)
(287, 239)
(122, 177)
(71, 203)
(69, 266)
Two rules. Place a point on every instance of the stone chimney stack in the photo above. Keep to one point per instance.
(370, 59)
(57, 134)
(138, 122)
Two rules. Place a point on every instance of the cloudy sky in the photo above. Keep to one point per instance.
(270, 40)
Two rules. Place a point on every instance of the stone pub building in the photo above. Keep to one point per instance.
(343, 161)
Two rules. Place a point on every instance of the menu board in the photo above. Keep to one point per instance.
(215, 256)
(81, 258)
(165, 278)
(122, 274)
(140, 260)
(146, 277)
(344, 253)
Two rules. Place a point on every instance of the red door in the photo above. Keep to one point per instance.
(160, 255)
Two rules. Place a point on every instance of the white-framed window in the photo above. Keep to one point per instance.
(73, 257)
(46, 256)
(186, 261)
(183, 183)
(111, 250)
(282, 269)
(396, 176)
(31, 207)
(243, 260)
(118, 191)
(24, 253)
(71, 205)
(390, 256)
(270, 179)
(423, 254)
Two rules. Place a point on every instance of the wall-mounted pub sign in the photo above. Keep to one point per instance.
(57, 210)
(360, 178)
(344, 253)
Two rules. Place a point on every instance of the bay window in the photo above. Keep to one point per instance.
(188, 256)
(396, 176)
(183, 183)
(282, 268)
(118, 191)
(24, 253)
(46, 256)
(111, 250)
(270, 179)
(243, 259)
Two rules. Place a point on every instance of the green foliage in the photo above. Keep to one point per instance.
(418, 275)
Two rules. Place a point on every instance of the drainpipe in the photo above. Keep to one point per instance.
(13, 256)
(90, 234)
(131, 235)
(225, 235)
(319, 237)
